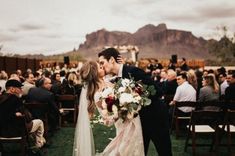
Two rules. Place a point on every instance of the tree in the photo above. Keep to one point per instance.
(224, 49)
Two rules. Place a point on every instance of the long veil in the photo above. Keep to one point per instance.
(83, 139)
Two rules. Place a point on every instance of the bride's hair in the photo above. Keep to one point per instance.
(89, 75)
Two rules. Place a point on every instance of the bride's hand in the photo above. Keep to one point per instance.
(99, 104)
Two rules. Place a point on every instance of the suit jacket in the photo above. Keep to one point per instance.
(42, 95)
(155, 114)
(230, 92)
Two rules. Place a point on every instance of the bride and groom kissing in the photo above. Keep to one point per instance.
(132, 136)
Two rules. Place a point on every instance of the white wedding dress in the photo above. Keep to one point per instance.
(128, 140)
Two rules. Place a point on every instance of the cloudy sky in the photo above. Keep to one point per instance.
(55, 26)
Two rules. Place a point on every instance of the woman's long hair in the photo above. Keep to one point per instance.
(89, 75)
(211, 81)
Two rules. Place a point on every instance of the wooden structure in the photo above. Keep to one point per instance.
(11, 64)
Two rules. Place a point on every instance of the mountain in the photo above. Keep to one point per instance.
(153, 41)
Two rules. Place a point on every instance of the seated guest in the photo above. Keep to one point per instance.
(192, 78)
(56, 87)
(14, 76)
(184, 92)
(3, 80)
(170, 86)
(72, 87)
(209, 91)
(223, 84)
(11, 107)
(230, 90)
(28, 83)
(42, 94)
(171, 83)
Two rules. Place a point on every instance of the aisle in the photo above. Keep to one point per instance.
(63, 143)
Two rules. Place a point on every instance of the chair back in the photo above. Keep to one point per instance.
(39, 110)
(208, 113)
(67, 100)
(69, 103)
(230, 112)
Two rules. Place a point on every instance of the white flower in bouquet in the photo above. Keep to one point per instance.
(137, 99)
(107, 91)
(125, 98)
(121, 89)
(125, 82)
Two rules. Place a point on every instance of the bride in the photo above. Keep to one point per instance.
(128, 139)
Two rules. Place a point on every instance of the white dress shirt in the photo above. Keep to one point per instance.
(185, 92)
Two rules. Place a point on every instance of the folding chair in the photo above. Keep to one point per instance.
(204, 121)
(229, 122)
(177, 117)
(68, 103)
(15, 133)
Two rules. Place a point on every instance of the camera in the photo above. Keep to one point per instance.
(152, 67)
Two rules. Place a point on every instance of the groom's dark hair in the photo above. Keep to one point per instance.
(108, 53)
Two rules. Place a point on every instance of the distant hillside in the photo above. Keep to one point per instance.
(153, 41)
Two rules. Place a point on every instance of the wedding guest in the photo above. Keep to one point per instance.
(223, 84)
(192, 78)
(56, 87)
(72, 87)
(209, 91)
(19, 73)
(42, 94)
(171, 83)
(184, 66)
(3, 80)
(230, 90)
(184, 92)
(29, 83)
(11, 107)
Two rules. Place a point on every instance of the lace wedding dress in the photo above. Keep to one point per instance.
(128, 140)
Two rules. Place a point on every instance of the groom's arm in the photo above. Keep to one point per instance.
(139, 74)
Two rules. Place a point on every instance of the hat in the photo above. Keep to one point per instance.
(13, 83)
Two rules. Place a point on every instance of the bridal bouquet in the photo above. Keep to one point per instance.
(126, 98)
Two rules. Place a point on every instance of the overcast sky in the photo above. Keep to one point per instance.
(55, 26)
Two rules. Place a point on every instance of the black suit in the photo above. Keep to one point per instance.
(42, 95)
(154, 118)
(230, 92)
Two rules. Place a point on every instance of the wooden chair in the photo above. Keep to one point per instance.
(204, 121)
(68, 103)
(16, 133)
(39, 111)
(229, 122)
(177, 117)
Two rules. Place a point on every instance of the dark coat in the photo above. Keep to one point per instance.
(154, 118)
(230, 93)
(42, 95)
(9, 105)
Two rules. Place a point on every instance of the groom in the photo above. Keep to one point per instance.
(154, 119)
